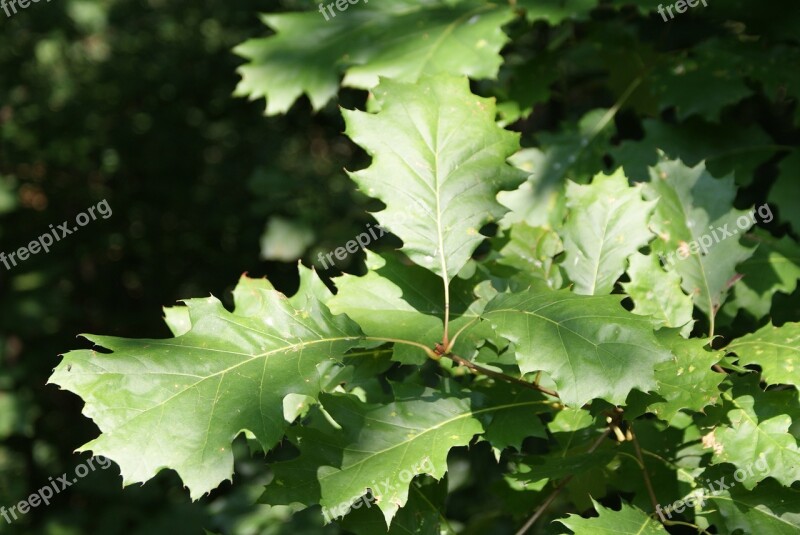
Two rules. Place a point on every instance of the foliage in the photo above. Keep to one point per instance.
(543, 332)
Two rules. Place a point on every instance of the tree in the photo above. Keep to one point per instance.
(587, 316)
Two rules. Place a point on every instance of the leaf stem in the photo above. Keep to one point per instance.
(442, 517)
(498, 375)
(612, 111)
(446, 336)
(687, 524)
(550, 499)
(425, 348)
(449, 347)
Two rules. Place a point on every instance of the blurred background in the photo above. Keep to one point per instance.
(131, 101)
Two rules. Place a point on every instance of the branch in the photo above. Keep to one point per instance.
(647, 482)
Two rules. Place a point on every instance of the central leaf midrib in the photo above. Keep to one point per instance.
(265, 355)
(753, 508)
(433, 428)
(600, 252)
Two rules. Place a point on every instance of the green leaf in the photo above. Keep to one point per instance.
(606, 223)
(179, 403)
(785, 193)
(178, 320)
(773, 268)
(692, 88)
(643, 6)
(687, 380)
(749, 58)
(758, 436)
(775, 349)
(378, 447)
(422, 515)
(558, 465)
(394, 301)
(726, 148)
(397, 300)
(571, 420)
(576, 152)
(528, 84)
(402, 39)
(435, 146)
(556, 11)
(627, 521)
(519, 421)
(769, 509)
(532, 250)
(590, 346)
(698, 231)
(658, 293)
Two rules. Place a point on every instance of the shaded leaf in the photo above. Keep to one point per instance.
(422, 515)
(556, 11)
(658, 293)
(627, 521)
(773, 268)
(378, 447)
(574, 153)
(403, 39)
(768, 508)
(775, 349)
(532, 250)
(511, 426)
(785, 193)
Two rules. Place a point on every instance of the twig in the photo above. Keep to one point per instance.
(647, 483)
(550, 499)
(687, 524)
(439, 352)
(497, 375)
(423, 347)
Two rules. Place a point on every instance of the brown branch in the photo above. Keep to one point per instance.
(497, 375)
(550, 499)
(647, 483)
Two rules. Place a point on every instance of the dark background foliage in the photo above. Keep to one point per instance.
(131, 102)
